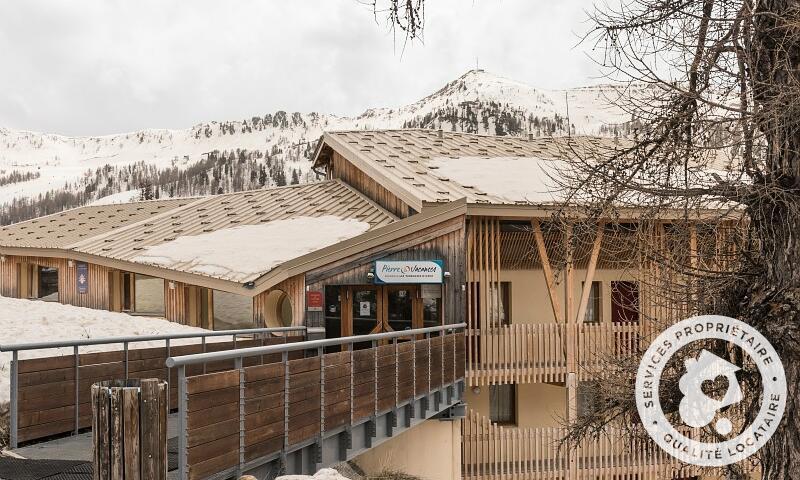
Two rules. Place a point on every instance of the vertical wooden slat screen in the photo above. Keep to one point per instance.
(496, 452)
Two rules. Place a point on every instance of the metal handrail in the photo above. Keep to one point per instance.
(143, 338)
(125, 341)
(195, 358)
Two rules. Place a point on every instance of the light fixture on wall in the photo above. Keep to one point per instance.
(446, 274)
(370, 275)
(3, 258)
(172, 285)
(70, 263)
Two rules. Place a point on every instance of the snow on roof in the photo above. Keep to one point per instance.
(512, 179)
(244, 252)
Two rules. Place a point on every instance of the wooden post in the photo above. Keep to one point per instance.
(129, 430)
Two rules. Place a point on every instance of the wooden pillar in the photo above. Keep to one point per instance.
(572, 333)
(129, 426)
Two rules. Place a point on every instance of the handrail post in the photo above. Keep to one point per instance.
(321, 354)
(375, 379)
(238, 367)
(203, 343)
(183, 470)
(14, 406)
(169, 377)
(77, 358)
(125, 361)
(285, 359)
(396, 376)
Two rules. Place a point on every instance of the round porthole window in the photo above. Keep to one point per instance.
(278, 311)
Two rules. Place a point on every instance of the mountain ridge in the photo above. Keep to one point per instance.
(43, 172)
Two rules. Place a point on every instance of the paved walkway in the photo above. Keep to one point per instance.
(69, 458)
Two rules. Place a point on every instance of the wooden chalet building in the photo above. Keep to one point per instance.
(432, 236)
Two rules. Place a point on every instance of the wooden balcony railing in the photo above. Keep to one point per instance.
(494, 452)
(526, 353)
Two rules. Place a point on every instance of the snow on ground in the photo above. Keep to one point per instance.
(324, 474)
(25, 321)
(244, 252)
(509, 178)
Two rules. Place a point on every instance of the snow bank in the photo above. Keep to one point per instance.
(244, 252)
(120, 197)
(513, 179)
(23, 321)
(324, 474)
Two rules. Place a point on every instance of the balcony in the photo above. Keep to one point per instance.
(545, 352)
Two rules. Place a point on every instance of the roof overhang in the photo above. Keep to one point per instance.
(369, 240)
(345, 150)
(547, 210)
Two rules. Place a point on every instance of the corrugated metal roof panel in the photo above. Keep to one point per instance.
(61, 230)
(404, 156)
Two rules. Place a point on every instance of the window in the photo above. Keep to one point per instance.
(333, 311)
(503, 404)
(148, 295)
(505, 303)
(48, 284)
(624, 302)
(232, 311)
(499, 302)
(278, 309)
(595, 305)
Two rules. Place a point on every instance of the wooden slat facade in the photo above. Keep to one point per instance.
(497, 452)
(350, 174)
(295, 289)
(98, 293)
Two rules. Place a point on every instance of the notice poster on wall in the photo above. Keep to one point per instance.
(314, 301)
(363, 309)
(82, 277)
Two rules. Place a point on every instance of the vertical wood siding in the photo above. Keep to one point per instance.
(99, 292)
(347, 172)
(295, 288)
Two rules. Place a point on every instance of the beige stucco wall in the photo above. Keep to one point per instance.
(538, 404)
(430, 450)
(530, 301)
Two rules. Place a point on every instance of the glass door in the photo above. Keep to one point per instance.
(401, 303)
(364, 308)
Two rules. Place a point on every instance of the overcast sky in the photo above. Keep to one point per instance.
(106, 66)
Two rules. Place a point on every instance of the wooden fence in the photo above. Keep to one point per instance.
(495, 452)
(525, 353)
(236, 416)
(54, 393)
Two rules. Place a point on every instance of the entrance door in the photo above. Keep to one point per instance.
(386, 308)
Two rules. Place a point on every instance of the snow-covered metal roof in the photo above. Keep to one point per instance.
(408, 162)
(63, 229)
(160, 222)
(220, 212)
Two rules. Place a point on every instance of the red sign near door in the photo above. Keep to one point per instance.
(314, 301)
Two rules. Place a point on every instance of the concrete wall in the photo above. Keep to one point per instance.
(431, 450)
(538, 404)
(530, 301)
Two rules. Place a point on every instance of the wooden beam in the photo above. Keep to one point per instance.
(569, 275)
(547, 270)
(587, 281)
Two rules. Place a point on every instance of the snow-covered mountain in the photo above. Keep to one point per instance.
(42, 173)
